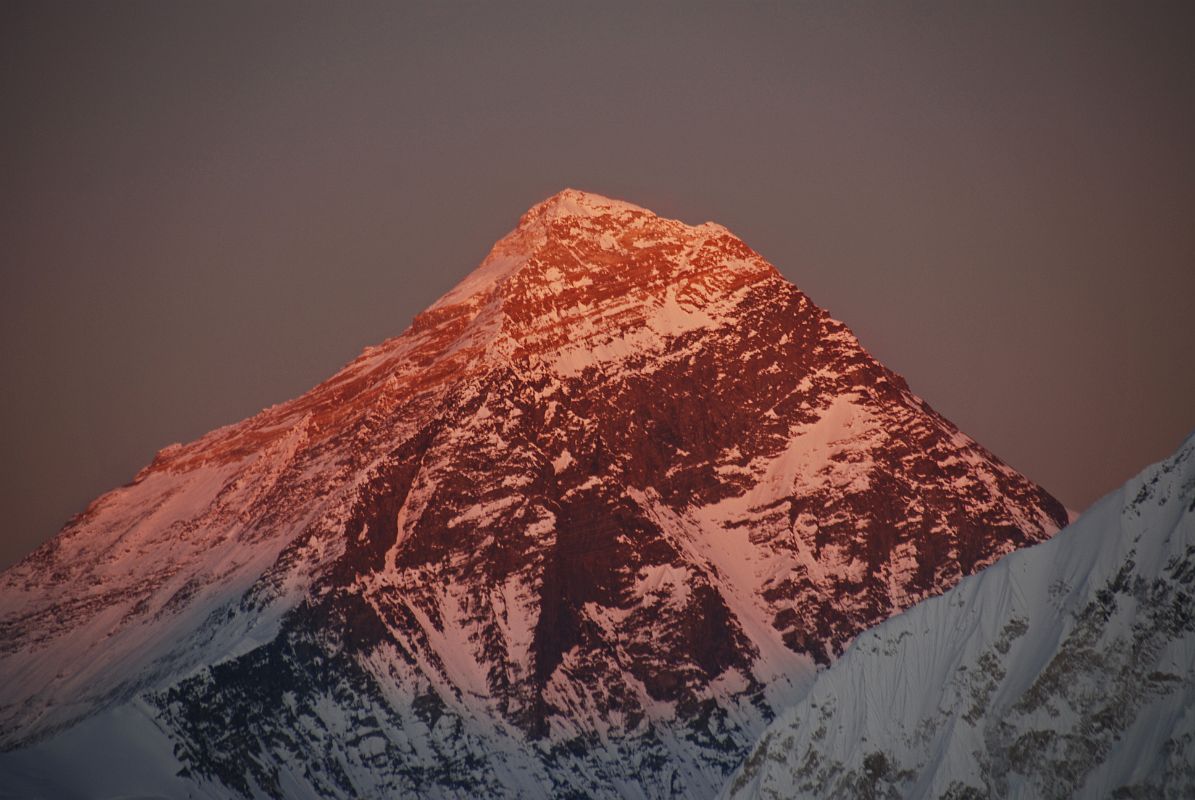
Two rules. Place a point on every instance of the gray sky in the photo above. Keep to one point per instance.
(208, 208)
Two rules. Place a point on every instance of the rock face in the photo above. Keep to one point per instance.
(1065, 670)
(581, 530)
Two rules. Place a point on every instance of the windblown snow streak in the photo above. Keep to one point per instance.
(580, 530)
(1065, 670)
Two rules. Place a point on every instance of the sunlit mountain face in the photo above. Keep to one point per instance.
(583, 529)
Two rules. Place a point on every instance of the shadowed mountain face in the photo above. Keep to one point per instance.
(581, 530)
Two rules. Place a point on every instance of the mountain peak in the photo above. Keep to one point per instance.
(586, 237)
(570, 202)
(582, 530)
(584, 274)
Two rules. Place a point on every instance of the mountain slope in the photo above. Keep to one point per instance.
(1064, 670)
(581, 529)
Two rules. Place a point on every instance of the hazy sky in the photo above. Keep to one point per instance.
(208, 208)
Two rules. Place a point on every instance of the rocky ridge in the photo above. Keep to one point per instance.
(1066, 670)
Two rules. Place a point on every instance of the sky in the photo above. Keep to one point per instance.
(208, 208)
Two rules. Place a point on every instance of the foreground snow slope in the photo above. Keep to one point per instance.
(581, 530)
(1065, 670)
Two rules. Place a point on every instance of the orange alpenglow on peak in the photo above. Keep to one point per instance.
(577, 203)
(583, 529)
(580, 266)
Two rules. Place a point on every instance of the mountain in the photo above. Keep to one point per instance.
(1065, 670)
(581, 530)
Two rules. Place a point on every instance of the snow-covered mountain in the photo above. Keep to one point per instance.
(1065, 670)
(581, 530)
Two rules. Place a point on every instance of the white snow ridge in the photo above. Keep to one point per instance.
(1064, 670)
